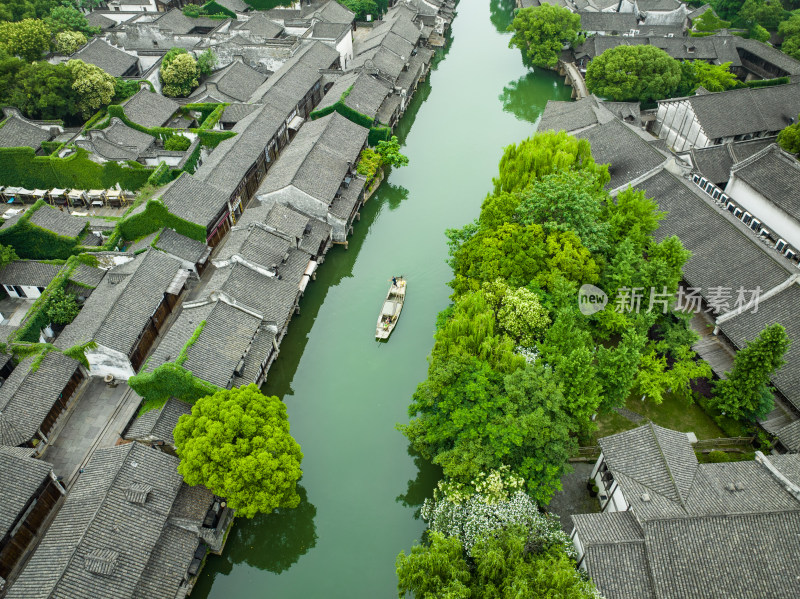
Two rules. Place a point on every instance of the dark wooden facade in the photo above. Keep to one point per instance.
(152, 329)
(28, 524)
(61, 402)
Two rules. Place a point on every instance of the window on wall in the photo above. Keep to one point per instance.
(18, 290)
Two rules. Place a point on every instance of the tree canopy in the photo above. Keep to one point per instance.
(744, 394)
(178, 73)
(27, 39)
(93, 86)
(634, 73)
(237, 443)
(542, 31)
(789, 138)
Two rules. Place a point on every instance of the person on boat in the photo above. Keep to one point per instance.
(394, 281)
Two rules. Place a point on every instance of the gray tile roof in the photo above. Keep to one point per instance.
(235, 5)
(286, 220)
(195, 200)
(98, 19)
(28, 272)
(774, 174)
(260, 25)
(366, 95)
(120, 307)
(731, 258)
(344, 205)
(255, 244)
(226, 339)
(330, 12)
(112, 60)
(237, 111)
(272, 298)
(149, 109)
(20, 479)
(165, 571)
(101, 541)
(229, 162)
(766, 563)
(607, 21)
(58, 222)
(181, 246)
(17, 132)
(329, 31)
(179, 24)
(610, 527)
(571, 116)
(158, 425)
(629, 155)
(298, 74)
(237, 81)
(317, 160)
(26, 397)
(117, 142)
(620, 571)
(745, 111)
(659, 458)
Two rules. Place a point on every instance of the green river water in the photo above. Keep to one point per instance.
(345, 392)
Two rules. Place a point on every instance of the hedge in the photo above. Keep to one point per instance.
(204, 108)
(21, 166)
(212, 138)
(155, 216)
(767, 82)
(52, 147)
(35, 243)
(171, 379)
(377, 134)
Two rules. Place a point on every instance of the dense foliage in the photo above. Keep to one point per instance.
(237, 443)
(789, 138)
(712, 77)
(542, 31)
(745, 393)
(634, 73)
(28, 39)
(178, 73)
(63, 307)
(93, 86)
(68, 42)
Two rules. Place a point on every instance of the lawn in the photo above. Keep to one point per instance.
(673, 413)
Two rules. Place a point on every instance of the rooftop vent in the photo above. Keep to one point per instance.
(307, 230)
(239, 371)
(101, 561)
(138, 493)
(645, 497)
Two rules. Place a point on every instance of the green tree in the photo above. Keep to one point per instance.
(17, 10)
(757, 32)
(192, 10)
(470, 419)
(62, 307)
(567, 201)
(177, 143)
(728, 9)
(28, 39)
(542, 154)
(206, 61)
(709, 21)
(68, 18)
(68, 42)
(714, 78)
(634, 73)
(789, 138)
(744, 394)
(362, 8)
(511, 563)
(767, 13)
(789, 30)
(542, 31)
(617, 368)
(237, 443)
(518, 312)
(178, 73)
(93, 86)
(7, 255)
(389, 152)
(43, 91)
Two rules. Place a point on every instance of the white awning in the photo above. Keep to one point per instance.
(296, 122)
(177, 283)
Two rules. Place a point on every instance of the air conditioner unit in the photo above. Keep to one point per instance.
(737, 212)
(724, 198)
(695, 178)
(790, 254)
(764, 233)
(703, 182)
(716, 194)
(780, 245)
(755, 224)
(731, 207)
(746, 218)
(670, 35)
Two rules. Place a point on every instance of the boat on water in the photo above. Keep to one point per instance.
(392, 306)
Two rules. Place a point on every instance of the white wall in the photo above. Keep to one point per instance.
(774, 218)
(345, 48)
(30, 292)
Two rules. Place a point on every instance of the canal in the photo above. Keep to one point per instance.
(361, 488)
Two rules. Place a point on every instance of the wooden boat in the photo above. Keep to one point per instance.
(391, 309)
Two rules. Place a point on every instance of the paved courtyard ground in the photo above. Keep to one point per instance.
(574, 499)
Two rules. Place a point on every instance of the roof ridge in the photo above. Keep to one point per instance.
(100, 504)
(666, 465)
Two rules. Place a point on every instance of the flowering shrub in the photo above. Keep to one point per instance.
(519, 313)
(491, 503)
